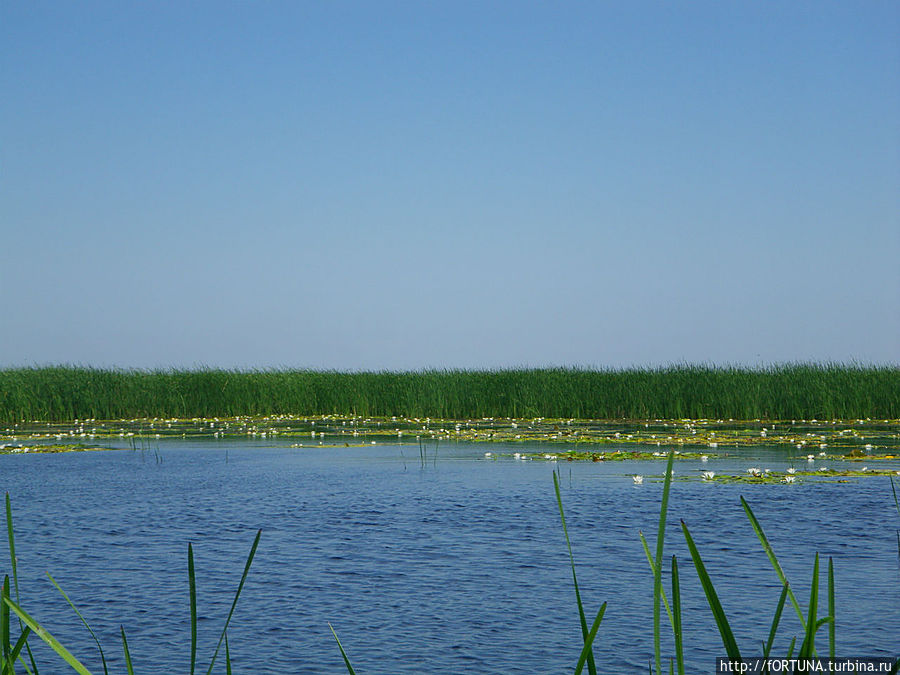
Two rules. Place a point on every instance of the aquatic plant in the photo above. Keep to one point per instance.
(801, 390)
(588, 635)
(897, 504)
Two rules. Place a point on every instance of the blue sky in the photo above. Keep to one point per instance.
(401, 185)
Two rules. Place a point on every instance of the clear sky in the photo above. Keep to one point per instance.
(402, 185)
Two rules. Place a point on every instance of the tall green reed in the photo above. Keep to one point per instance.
(810, 622)
(801, 390)
(897, 504)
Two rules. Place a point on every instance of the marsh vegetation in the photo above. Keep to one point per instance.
(782, 392)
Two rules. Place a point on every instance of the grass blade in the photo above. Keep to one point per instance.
(47, 637)
(897, 503)
(649, 555)
(592, 668)
(128, 665)
(34, 668)
(192, 586)
(767, 547)
(14, 654)
(728, 640)
(12, 545)
(236, 596)
(13, 561)
(831, 641)
(587, 649)
(4, 624)
(807, 648)
(767, 648)
(227, 657)
(343, 653)
(893, 489)
(93, 635)
(657, 566)
(676, 613)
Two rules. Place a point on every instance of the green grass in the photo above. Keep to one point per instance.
(802, 390)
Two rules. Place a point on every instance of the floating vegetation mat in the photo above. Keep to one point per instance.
(859, 439)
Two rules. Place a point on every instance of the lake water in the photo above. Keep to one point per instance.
(455, 565)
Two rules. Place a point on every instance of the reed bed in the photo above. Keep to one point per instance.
(801, 391)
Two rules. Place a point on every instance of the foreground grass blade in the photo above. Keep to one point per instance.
(731, 648)
(4, 624)
(592, 668)
(12, 545)
(90, 630)
(192, 586)
(676, 613)
(897, 503)
(893, 489)
(34, 668)
(227, 657)
(128, 665)
(767, 547)
(831, 607)
(807, 648)
(767, 647)
(649, 556)
(587, 649)
(343, 653)
(47, 637)
(13, 561)
(236, 596)
(657, 564)
(14, 654)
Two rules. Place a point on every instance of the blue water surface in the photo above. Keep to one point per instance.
(453, 565)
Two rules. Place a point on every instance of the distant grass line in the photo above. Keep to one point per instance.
(790, 391)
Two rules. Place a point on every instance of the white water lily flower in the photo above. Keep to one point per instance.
(709, 475)
(869, 446)
(821, 454)
(810, 458)
(637, 479)
(704, 458)
(823, 468)
(753, 471)
(792, 470)
(789, 479)
(487, 454)
(865, 468)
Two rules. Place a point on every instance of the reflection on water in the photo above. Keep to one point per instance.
(448, 562)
